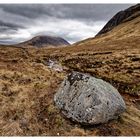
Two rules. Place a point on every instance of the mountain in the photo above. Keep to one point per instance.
(122, 36)
(121, 17)
(29, 79)
(45, 41)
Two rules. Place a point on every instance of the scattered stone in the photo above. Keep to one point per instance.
(88, 100)
(54, 65)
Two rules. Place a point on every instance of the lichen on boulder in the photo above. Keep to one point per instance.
(88, 100)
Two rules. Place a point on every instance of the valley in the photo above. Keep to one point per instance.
(28, 84)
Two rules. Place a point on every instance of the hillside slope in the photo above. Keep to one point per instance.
(121, 17)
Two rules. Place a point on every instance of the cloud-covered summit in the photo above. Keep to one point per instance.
(73, 22)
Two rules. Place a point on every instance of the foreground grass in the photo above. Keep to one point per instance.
(27, 87)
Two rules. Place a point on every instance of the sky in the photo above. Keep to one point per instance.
(73, 22)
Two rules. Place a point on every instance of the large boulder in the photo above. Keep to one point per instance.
(88, 100)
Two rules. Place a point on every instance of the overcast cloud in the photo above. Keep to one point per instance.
(73, 22)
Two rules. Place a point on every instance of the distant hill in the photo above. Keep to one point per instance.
(44, 41)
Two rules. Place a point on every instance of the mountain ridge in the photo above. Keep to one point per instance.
(121, 17)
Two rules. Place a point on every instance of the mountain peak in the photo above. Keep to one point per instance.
(45, 41)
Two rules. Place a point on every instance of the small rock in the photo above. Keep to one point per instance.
(54, 65)
(58, 134)
(88, 100)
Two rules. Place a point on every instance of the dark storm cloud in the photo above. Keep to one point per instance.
(11, 25)
(72, 11)
(29, 11)
(71, 21)
(8, 28)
